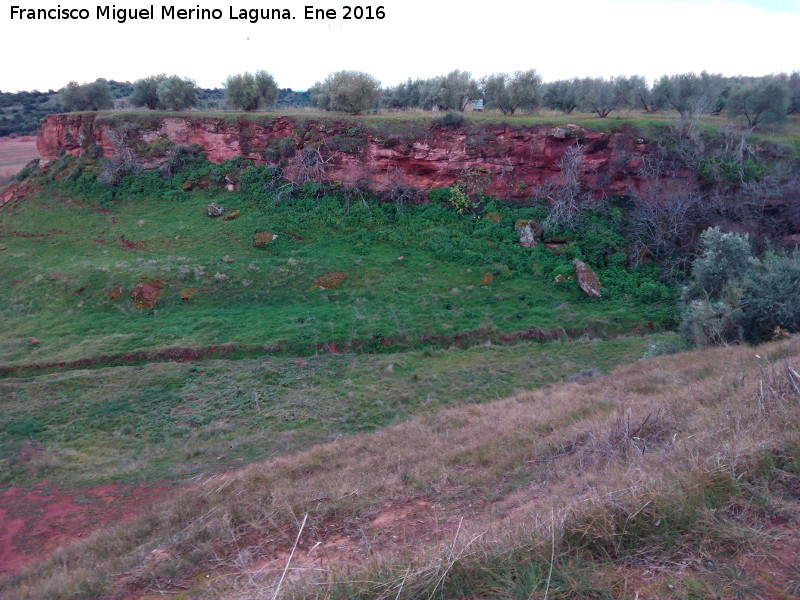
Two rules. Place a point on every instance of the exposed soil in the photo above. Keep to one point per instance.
(363, 346)
(35, 521)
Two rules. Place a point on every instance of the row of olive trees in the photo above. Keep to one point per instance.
(454, 91)
(755, 99)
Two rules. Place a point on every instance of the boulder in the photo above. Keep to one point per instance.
(115, 293)
(215, 210)
(587, 279)
(329, 281)
(529, 233)
(146, 295)
(262, 238)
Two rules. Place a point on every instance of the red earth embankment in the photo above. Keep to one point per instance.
(509, 159)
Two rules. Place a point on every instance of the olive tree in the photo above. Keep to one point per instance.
(89, 96)
(347, 91)
(145, 92)
(510, 93)
(563, 95)
(457, 89)
(599, 95)
(765, 100)
(687, 93)
(175, 93)
(404, 95)
(249, 92)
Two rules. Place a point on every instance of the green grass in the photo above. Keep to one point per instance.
(411, 278)
(174, 420)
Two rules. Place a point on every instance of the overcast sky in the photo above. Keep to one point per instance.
(415, 39)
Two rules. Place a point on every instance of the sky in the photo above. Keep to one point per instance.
(416, 38)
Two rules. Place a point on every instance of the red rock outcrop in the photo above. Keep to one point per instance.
(512, 159)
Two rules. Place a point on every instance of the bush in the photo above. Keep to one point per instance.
(711, 323)
(181, 158)
(771, 297)
(733, 296)
(439, 195)
(726, 259)
(453, 119)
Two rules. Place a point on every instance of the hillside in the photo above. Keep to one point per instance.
(670, 477)
(395, 357)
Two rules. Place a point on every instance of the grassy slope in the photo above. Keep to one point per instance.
(55, 280)
(665, 462)
(173, 420)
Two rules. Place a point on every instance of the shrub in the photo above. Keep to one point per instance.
(771, 297)
(726, 259)
(711, 323)
(733, 296)
(180, 159)
(453, 119)
(439, 195)
(27, 170)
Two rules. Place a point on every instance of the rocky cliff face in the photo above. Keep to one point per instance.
(511, 160)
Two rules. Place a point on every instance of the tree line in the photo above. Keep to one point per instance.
(755, 100)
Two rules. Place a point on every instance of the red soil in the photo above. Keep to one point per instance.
(36, 521)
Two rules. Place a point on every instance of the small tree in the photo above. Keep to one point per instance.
(145, 92)
(90, 96)
(175, 93)
(347, 91)
(249, 92)
(511, 93)
(762, 101)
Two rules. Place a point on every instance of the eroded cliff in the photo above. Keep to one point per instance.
(511, 160)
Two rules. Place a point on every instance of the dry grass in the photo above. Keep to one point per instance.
(624, 466)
